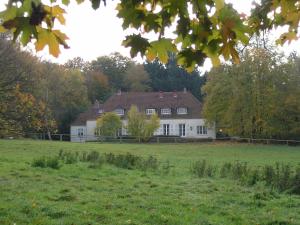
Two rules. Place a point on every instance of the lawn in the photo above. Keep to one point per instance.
(79, 195)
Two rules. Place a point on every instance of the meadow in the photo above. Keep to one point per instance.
(78, 194)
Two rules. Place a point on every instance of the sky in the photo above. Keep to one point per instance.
(95, 33)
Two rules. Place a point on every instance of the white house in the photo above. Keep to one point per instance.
(179, 113)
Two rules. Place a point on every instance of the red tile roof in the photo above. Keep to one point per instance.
(146, 100)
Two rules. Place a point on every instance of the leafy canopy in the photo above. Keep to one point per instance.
(108, 124)
(141, 127)
(203, 28)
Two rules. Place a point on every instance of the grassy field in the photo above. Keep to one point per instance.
(79, 195)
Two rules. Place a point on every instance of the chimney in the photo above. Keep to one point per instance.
(174, 94)
(96, 104)
(161, 94)
(184, 90)
(119, 92)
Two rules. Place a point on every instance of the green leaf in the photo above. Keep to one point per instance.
(9, 13)
(2, 29)
(137, 43)
(219, 4)
(46, 37)
(66, 2)
(160, 49)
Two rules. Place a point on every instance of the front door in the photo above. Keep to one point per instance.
(166, 129)
(182, 130)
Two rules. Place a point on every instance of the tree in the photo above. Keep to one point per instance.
(64, 92)
(114, 67)
(77, 63)
(204, 29)
(259, 98)
(136, 78)
(108, 124)
(97, 86)
(171, 77)
(141, 127)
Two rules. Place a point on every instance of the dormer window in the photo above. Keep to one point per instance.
(119, 112)
(150, 111)
(165, 111)
(181, 111)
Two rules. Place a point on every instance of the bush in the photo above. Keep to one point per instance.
(68, 157)
(93, 156)
(203, 169)
(225, 170)
(53, 162)
(130, 161)
(40, 162)
(97, 164)
(43, 162)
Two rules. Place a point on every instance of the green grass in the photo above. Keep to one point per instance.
(76, 194)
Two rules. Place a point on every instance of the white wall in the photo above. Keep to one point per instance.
(74, 134)
(190, 129)
(90, 130)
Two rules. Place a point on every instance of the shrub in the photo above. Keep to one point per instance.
(130, 161)
(225, 170)
(92, 156)
(198, 168)
(166, 167)
(150, 163)
(254, 176)
(53, 162)
(296, 182)
(68, 157)
(97, 164)
(43, 162)
(39, 162)
(239, 170)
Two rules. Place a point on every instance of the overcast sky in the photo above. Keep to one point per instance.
(96, 33)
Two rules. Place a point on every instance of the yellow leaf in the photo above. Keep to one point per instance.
(215, 60)
(42, 39)
(57, 12)
(234, 55)
(53, 45)
(225, 51)
(150, 54)
(219, 4)
(46, 37)
(289, 36)
(2, 29)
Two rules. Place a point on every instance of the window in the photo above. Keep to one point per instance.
(201, 130)
(182, 130)
(181, 111)
(80, 132)
(150, 111)
(166, 128)
(119, 112)
(165, 111)
(100, 111)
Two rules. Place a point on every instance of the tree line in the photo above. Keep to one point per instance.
(40, 96)
(258, 98)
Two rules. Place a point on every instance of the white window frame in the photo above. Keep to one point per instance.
(182, 129)
(120, 112)
(182, 111)
(201, 130)
(80, 132)
(165, 111)
(166, 129)
(150, 111)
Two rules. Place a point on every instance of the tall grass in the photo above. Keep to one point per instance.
(282, 177)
